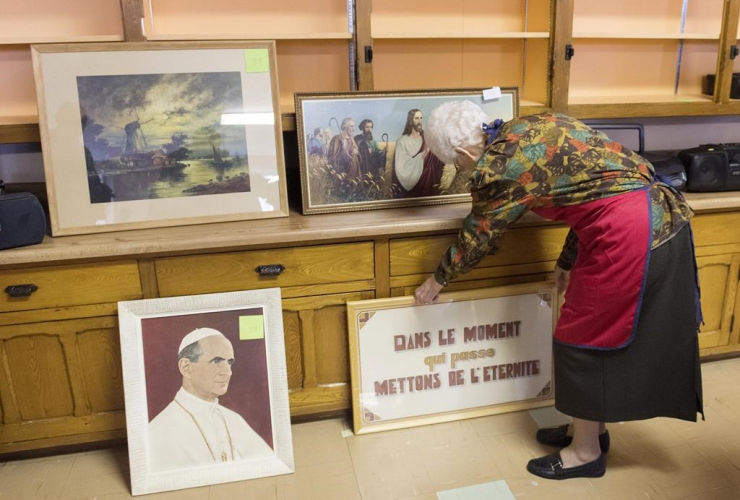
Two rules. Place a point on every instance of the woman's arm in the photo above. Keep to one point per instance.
(496, 205)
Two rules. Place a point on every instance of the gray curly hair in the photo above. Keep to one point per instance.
(454, 124)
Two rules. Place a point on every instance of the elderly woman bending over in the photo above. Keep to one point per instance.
(625, 346)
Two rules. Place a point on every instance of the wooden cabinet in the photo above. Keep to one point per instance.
(473, 43)
(525, 255)
(61, 380)
(60, 368)
(303, 266)
(718, 276)
(316, 283)
(316, 345)
(67, 286)
(656, 51)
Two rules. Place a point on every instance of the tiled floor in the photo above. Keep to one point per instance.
(651, 460)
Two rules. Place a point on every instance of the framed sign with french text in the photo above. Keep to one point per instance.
(474, 353)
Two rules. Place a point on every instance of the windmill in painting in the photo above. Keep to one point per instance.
(161, 135)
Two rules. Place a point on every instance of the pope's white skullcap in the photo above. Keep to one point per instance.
(196, 335)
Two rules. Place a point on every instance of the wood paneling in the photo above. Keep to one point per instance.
(561, 29)
(311, 66)
(322, 322)
(62, 19)
(17, 88)
(320, 400)
(457, 286)
(363, 13)
(40, 381)
(57, 314)
(293, 356)
(246, 19)
(718, 277)
(54, 430)
(100, 358)
(716, 229)
(638, 17)
(56, 440)
(11, 413)
(519, 246)
(132, 13)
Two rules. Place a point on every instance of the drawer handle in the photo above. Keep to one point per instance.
(21, 290)
(270, 269)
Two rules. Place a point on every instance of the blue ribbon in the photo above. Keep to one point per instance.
(492, 129)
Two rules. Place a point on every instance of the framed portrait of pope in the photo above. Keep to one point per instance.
(206, 389)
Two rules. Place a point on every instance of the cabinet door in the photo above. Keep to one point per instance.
(316, 348)
(718, 277)
(61, 383)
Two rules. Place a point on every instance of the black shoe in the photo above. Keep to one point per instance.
(558, 438)
(551, 467)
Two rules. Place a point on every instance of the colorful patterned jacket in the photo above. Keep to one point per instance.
(552, 160)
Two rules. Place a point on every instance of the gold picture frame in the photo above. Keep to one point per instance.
(141, 135)
(403, 368)
(336, 177)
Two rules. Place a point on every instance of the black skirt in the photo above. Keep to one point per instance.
(658, 374)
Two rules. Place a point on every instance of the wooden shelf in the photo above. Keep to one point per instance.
(293, 230)
(532, 107)
(256, 36)
(653, 109)
(436, 36)
(648, 36)
(17, 133)
(27, 40)
(638, 99)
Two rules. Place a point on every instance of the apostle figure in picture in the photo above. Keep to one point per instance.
(316, 144)
(372, 158)
(343, 154)
(194, 429)
(416, 171)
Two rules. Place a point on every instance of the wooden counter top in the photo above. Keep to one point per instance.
(287, 231)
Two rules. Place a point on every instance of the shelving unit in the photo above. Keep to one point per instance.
(472, 43)
(63, 21)
(312, 37)
(636, 52)
(632, 58)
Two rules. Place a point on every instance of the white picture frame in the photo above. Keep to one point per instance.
(152, 333)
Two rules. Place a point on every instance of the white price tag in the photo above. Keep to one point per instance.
(492, 93)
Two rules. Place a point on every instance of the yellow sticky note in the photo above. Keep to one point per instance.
(258, 60)
(251, 327)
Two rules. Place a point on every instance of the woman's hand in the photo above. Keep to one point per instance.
(428, 292)
(465, 159)
(562, 277)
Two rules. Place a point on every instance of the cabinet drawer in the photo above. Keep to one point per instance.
(237, 271)
(518, 246)
(64, 286)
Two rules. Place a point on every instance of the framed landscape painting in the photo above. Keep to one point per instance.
(351, 146)
(139, 135)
